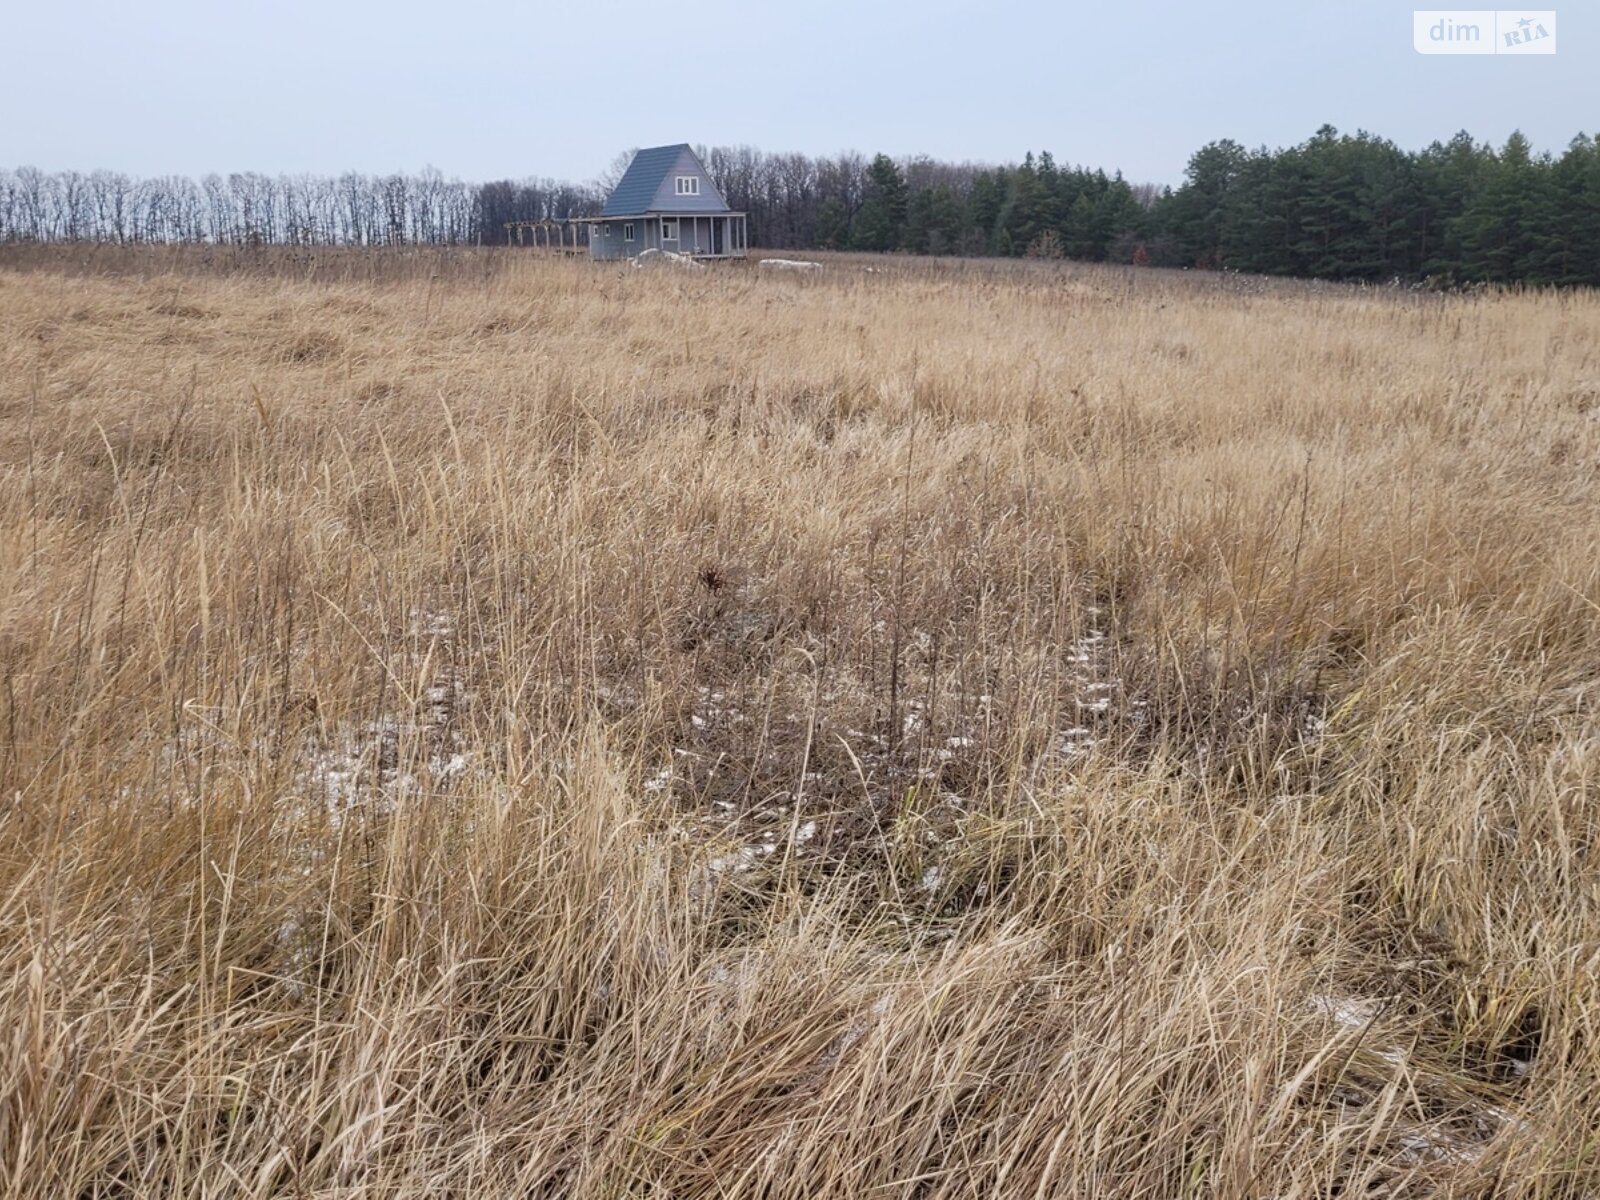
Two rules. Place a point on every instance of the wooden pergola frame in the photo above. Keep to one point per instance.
(554, 231)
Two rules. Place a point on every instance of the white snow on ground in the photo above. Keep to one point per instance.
(1097, 687)
(646, 258)
(1074, 741)
(1350, 1011)
(789, 264)
(953, 745)
(292, 942)
(365, 763)
(431, 623)
(742, 859)
(1461, 1142)
(445, 768)
(1455, 1142)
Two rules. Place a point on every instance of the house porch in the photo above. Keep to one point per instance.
(695, 235)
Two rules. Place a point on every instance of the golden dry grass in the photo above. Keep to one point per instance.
(477, 725)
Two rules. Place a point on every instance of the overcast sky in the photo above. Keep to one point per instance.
(486, 89)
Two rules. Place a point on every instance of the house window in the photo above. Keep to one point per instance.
(688, 185)
(669, 231)
(627, 233)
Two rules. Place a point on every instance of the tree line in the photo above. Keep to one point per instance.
(295, 210)
(1337, 206)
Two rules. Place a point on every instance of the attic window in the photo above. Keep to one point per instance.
(688, 185)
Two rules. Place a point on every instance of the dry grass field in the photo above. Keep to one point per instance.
(479, 725)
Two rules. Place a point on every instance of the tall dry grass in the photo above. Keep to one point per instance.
(478, 725)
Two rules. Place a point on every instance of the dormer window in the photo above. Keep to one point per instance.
(688, 185)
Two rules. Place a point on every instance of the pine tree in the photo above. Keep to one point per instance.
(1500, 224)
(1572, 251)
(1198, 207)
(882, 218)
(1120, 218)
(946, 220)
(1082, 232)
(1019, 216)
(1329, 208)
(1262, 215)
(1051, 210)
(872, 229)
(833, 224)
(919, 220)
(1447, 174)
(988, 192)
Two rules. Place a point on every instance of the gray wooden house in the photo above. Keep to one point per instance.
(666, 201)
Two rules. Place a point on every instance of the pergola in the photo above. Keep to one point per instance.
(550, 233)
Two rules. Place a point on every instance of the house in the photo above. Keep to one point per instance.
(665, 200)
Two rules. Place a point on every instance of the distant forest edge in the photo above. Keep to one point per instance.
(1337, 206)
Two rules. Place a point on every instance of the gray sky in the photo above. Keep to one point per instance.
(487, 89)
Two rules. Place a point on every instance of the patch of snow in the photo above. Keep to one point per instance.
(741, 860)
(1442, 1146)
(432, 623)
(1350, 1011)
(652, 256)
(292, 940)
(447, 768)
(334, 774)
(790, 264)
(1074, 741)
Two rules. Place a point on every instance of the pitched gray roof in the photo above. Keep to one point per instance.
(639, 184)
